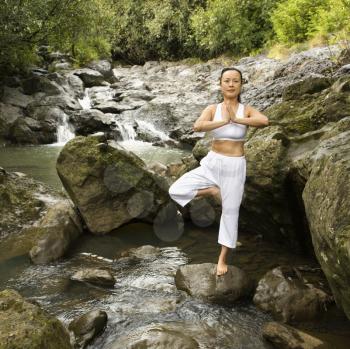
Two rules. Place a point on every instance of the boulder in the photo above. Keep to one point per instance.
(37, 83)
(16, 97)
(89, 121)
(299, 113)
(89, 76)
(284, 293)
(9, 114)
(58, 229)
(23, 201)
(327, 204)
(25, 325)
(88, 326)
(200, 280)
(104, 67)
(94, 276)
(286, 337)
(110, 185)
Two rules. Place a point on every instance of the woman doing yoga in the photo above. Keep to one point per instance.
(222, 172)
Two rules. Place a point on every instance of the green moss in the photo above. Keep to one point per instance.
(25, 326)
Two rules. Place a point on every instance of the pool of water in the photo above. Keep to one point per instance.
(39, 161)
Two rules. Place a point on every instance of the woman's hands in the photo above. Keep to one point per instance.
(231, 117)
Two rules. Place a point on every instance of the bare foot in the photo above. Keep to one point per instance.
(221, 268)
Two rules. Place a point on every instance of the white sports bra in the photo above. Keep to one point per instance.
(233, 131)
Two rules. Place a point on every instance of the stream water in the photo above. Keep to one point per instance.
(144, 294)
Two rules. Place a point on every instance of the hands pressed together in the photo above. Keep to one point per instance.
(231, 116)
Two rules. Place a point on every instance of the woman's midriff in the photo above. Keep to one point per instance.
(226, 147)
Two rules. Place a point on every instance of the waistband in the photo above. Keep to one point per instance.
(222, 156)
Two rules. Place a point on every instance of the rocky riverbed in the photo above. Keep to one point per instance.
(152, 290)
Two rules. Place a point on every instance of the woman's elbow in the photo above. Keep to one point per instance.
(265, 122)
(196, 128)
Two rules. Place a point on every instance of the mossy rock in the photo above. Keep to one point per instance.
(109, 185)
(25, 325)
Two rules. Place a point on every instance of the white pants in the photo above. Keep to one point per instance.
(226, 172)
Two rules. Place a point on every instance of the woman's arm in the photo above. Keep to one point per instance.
(254, 118)
(204, 123)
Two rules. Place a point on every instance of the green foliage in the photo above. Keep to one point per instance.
(83, 27)
(332, 19)
(236, 26)
(292, 19)
(141, 30)
(153, 29)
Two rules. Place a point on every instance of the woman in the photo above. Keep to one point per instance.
(222, 171)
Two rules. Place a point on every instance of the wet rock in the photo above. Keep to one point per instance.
(113, 107)
(36, 84)
(58, 230)
(16, 97)
(157, 336)
(200, 280)
(90, 77)
(102, 66)
(63, 101)
(9, 114)
(30, 131)
(110, 187)
(157, 167)
(302, 113)
(25, 325)
(327, 209)
(89, 121)
(87, 327)
(283, 292)
(145, 251)
(23, 201)
(94, 276)
(308, 86)
(286, 337)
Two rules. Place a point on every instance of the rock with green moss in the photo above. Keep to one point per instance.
(109, 185)
(23, 201)
(24, 325)
(299, 113)
(327, 204)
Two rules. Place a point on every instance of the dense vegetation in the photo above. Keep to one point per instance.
(140, 30)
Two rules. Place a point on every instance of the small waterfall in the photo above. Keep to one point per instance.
(85, 102)
(150, 128)
(127, 131)
(65, 131)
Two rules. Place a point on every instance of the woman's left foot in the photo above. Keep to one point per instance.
(221, 268)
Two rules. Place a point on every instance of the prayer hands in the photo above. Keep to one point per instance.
(231, 113)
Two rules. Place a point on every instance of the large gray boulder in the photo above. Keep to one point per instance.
(327, 205)
(110, 185)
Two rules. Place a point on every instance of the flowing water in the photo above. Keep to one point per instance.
(144, 294)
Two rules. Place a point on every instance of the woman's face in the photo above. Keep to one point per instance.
(231, 84)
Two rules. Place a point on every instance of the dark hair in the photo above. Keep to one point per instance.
(240, 74)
